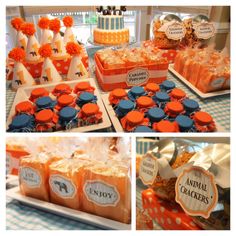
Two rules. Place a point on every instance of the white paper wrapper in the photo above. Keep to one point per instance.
(21, 40)
(46, 36)
(77, 69)
(21, 76)
(49, 72)
(69, 36)
(58, 46)
(32, 49)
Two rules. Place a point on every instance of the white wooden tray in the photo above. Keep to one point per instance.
(196, 90)
(87, 218)
(116, 123)
(24, 93)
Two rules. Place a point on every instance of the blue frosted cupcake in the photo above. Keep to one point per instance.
(123, 107)
(190, 106)
(68, 118)
(155, 114)
(185, 123)
(45, 103)
(86, 97)
(143, 129)
(161, 98)
(167, 86)
(22, 123)
(135, 92)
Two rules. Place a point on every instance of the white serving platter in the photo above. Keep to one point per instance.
(24, 93)
(116, 123)
(196, 90)
(80, 216)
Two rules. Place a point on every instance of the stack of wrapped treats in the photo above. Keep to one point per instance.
(93, 179)
(207, 69)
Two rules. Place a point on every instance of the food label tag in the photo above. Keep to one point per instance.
(175, 31)
(101, 193)
(218, 83)
(62, 186)
(204, 30)
(30, 176)
(148, 169)
(137, 76)
(196, 191)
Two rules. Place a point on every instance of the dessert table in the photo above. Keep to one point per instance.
(218, 107)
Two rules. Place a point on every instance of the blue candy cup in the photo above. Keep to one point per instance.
(67, 113)
(143, 129)
(43, 101)
(156, 114)
(184, 122)
(21, 121)
(190, 104)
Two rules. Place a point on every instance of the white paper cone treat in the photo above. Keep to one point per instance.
(32, 54)
(58, 46)
(21, 76)
(49, 72)
(21, 39)
(69, 35)
(76, 69)
(46, 34)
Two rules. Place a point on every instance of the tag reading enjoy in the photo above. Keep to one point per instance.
(30, 176)
(148, 169)
(204, 30)
(62, 186)
(101, 193)
(196, 191)
(175, 31)
(137, 76)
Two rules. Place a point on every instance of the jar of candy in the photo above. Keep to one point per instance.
(132, 120)
(203, 122)
(190, 106)
(161, 99)
(38, 93)
(61, 89)
(143, 129)
(151, 89)
(144, 103)
(123, 107)
(161, 30)
(177, 94)
(166, 126)
(25, 107)
(167, 86)
(89, 114)
(65, 101)
(22, 123)
(45, 103)
(83, 87)
(68, 118)
(86, 97)
(173, 109)
(116, 95)
(185, 123)
(136, 92)
(155, 115)
(46, 121)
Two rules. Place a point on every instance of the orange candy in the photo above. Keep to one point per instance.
(166, 126)
(173, 109)
(37, 93)
(24, 107)
(152, 87)
(145, 102)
